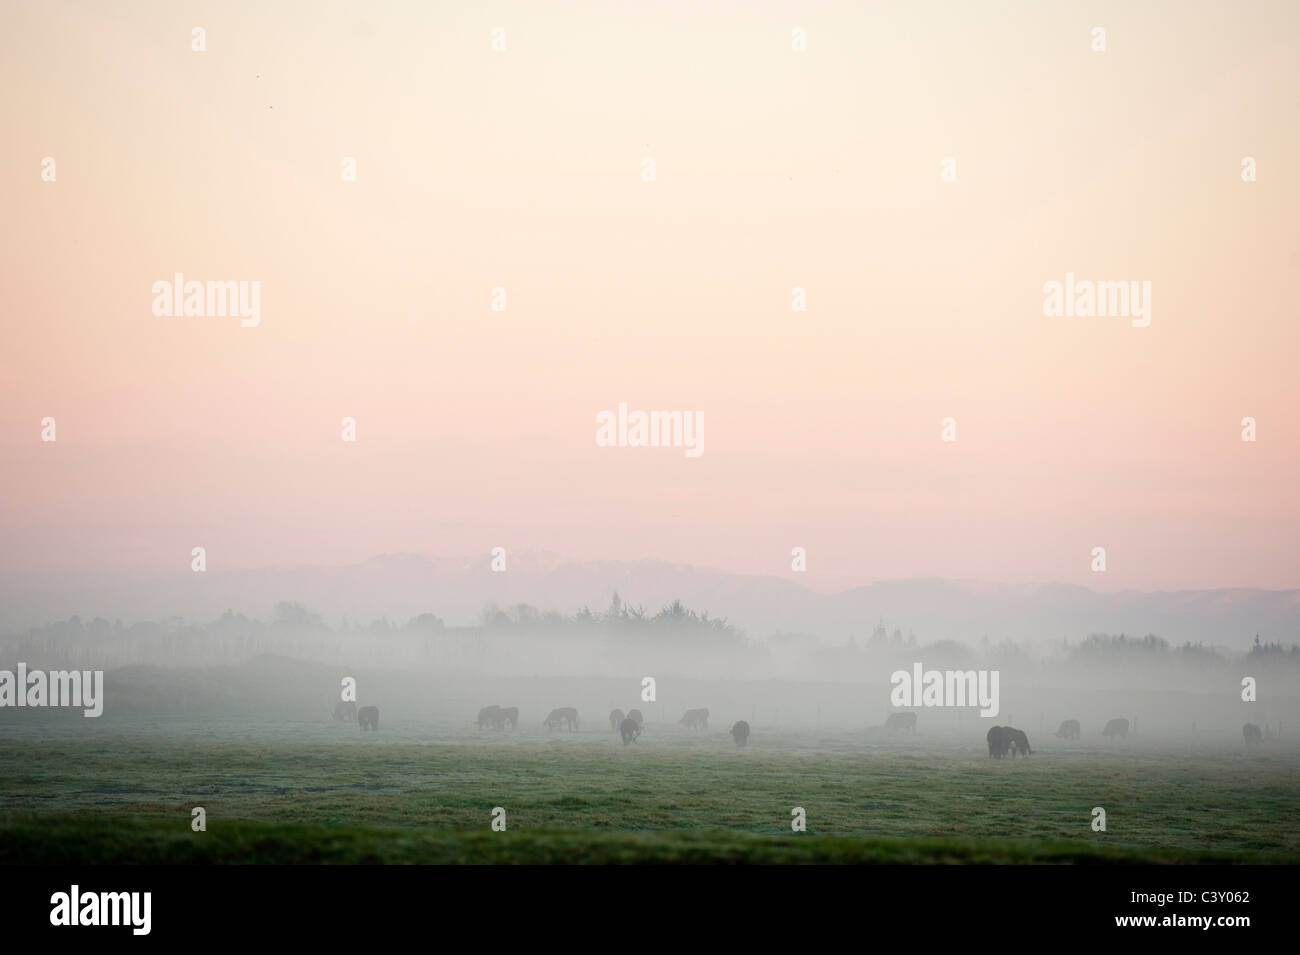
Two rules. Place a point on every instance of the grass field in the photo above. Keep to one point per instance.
(419, 793)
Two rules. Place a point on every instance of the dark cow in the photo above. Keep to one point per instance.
(740, 733)
(345, 710)
(508, 714)
(901, 721)
(636, 715)
(1115, 728)
(368, 717)
(630, 729)
(695, 719)
(489, 716)
(1016, 741)
(998, 742)
(1069, 730)
(616, 718)
(565, 715)
(1252, 733)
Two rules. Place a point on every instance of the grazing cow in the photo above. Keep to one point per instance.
(1115, 728)
(368, 717)
(616, 718)
(1252, 733)
(508, 714)
(998, 743)
(901, 721)
(1016, 741)
(1069, 730)
(489, 716)
(740, 733)
(345, 710)
(636, 715)
(695, 719)
(565, 715)
(630, 729)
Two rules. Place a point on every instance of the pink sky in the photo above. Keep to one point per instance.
(523, 170)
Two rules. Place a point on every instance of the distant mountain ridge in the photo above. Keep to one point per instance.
(400, 586)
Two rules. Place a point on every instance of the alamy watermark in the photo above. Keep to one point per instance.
(923, 687)
(84, 688)
(651, 429)
(75, 907)
(1101, 299)
(179, 298)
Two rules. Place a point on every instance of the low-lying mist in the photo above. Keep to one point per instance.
(292, 664)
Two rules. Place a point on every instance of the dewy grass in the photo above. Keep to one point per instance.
(327, 796)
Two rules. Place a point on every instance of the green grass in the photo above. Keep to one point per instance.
(135, 840)
(330, 795)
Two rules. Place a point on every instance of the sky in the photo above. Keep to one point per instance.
(523, 169)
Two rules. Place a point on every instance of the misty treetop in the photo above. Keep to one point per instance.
(294, 630)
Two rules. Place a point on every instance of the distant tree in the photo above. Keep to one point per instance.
(425, 621)
(491, 617)
(295, 616)
(675, 612)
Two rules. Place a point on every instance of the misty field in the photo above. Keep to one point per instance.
(422, 792)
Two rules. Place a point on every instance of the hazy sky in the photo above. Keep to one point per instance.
(523, 169)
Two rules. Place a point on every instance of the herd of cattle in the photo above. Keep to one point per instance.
(1002, 740)
(1005, 740)
(1253, 734)
(629, 725)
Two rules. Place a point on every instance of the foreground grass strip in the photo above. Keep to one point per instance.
(29, 839)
